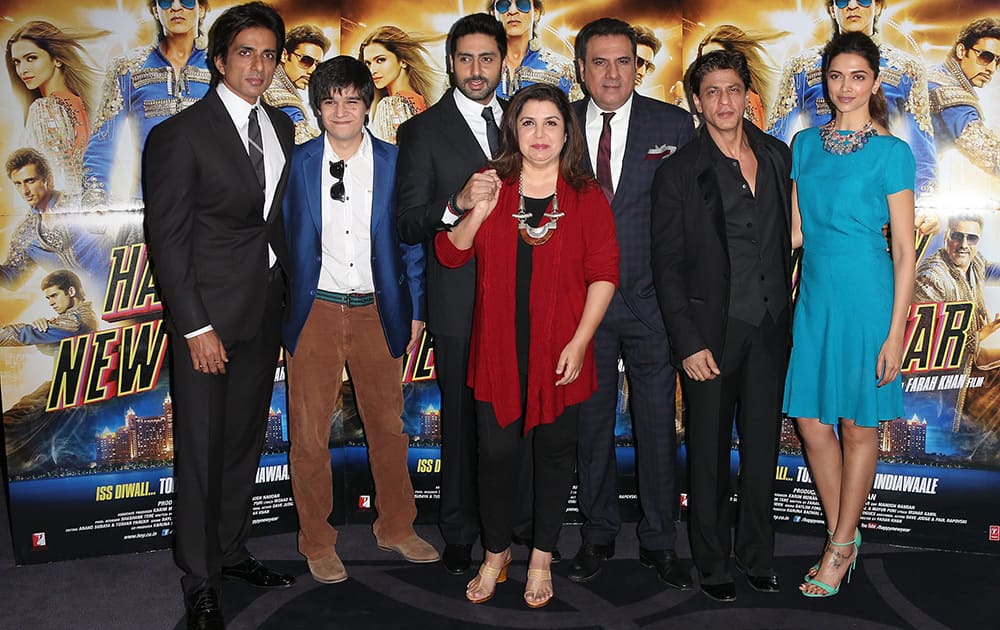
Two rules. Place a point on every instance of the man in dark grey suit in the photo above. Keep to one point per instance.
(440, 152)
(627, 137)
(213, 179)
(721, 252)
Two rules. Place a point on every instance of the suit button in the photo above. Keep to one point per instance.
(313, 292)
(319, 259)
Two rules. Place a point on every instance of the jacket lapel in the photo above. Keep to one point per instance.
(711, 197)
(460, 135)
(381, 184)
(287, 143)
(230, 144)
(312, 167)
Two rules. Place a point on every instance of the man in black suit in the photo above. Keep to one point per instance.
(721, 251)
(440, 152)
(627, 136)
(213, 180)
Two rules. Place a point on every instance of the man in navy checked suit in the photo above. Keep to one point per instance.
(642, 132)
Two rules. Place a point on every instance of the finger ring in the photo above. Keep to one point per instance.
(201, 366)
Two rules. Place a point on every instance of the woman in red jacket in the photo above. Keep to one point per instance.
(540, 294)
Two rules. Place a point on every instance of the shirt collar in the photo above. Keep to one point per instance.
(364, 152)
(593, 111)
(468, 107)
(239, 109)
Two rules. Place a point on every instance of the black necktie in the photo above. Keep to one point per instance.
(492, 132)
(256, 147)
(604, 158)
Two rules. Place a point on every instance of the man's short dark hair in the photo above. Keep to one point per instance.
(234, 21)
(338, 74)
(975, 31)
(602, 26)
(644, 36)
(63, 279)
(26, 155)
(306, 34)
(472, 24)
(716, 60)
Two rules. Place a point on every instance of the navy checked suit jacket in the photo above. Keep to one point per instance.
(652, 126)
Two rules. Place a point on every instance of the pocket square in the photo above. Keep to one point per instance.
(660, 152)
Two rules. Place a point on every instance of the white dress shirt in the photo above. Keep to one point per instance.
(619, 136)
(346, 238)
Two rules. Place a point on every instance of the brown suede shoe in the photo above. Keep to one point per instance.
(414, 549)
(328, 569)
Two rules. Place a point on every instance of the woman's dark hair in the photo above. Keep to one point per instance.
(508, 163)
(856, 43)
(234, 21)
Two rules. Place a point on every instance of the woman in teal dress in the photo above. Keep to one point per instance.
(851, 177)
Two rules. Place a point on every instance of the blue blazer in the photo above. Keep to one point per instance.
(397, 269)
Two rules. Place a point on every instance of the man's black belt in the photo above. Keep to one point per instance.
(347, 299)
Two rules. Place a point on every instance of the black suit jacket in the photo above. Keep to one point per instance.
(206, 231)
(652, 124)
(437, 155)
(690, 249)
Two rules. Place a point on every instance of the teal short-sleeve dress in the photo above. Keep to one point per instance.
(844, 307)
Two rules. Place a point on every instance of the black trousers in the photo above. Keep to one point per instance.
(219, 425)
(501, 459)
(750, 386)
(459, 511)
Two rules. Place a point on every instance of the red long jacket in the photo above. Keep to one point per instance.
(582, 250)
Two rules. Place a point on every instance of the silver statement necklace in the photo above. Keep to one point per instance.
(844, 143)
(541, 234)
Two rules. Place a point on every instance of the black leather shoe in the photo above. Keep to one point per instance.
(203, 612)
(457, 558)
(764, 583)
(587, 563)
(669, 568)
(253, 572)
(761, 583)
(521, 540)
(720, 592)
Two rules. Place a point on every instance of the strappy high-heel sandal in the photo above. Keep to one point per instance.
(539, 575)
(499, 576)
(830, 591)
(814, 569)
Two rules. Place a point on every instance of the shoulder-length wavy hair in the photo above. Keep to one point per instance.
(64, 46)
(508, 162)
(426, 80)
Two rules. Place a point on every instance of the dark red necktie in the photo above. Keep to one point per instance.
(604, 158)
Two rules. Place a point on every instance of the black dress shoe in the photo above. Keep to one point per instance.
(762, 583)
(587, 563)
(720, 592)
(669, 568)
(203, 612)
(253, 572)
(457, 558)
(521, 540)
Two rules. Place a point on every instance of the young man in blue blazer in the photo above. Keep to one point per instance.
(357, 299)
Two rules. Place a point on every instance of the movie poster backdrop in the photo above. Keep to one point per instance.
(84, 362)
